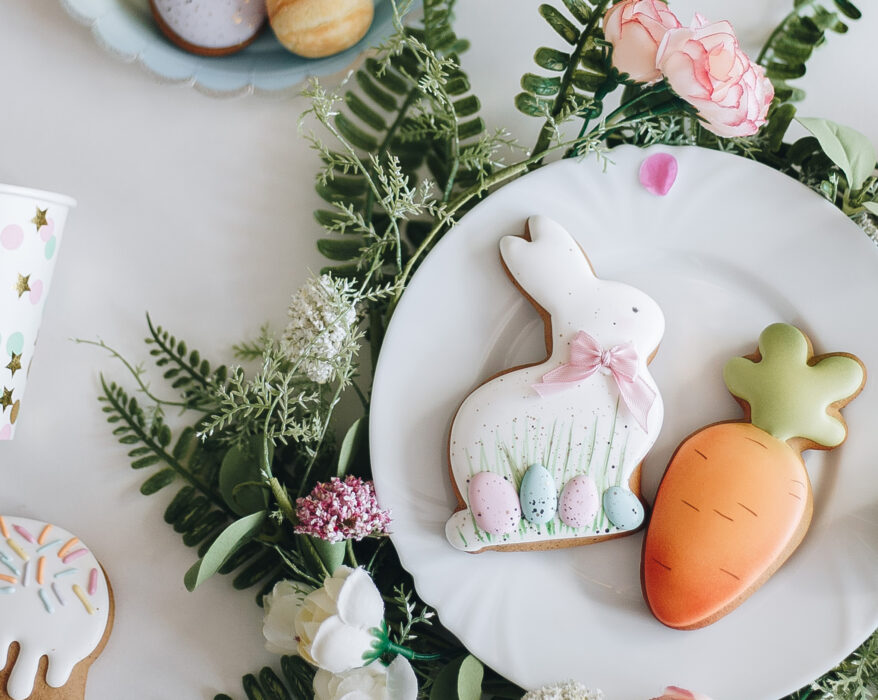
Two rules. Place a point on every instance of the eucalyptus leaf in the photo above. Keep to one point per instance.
(350, 446)
(230, 540)
(240, 476)
(459, 680)
(846, 147)
(321, 554)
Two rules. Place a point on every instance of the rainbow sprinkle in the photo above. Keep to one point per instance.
(48, 545)
(3, 530)
(24, 573)
(81, 595)
(41, 569)
(93, 582)
(46, 604)
(18, 550)
(66, 572)
(42, 538)
(57, 593)
(24, 533)
(7, 589)
(8, 579)
(70, 544)
(7, 562)
(74, 555)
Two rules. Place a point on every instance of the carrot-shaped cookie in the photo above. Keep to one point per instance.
(736, 500)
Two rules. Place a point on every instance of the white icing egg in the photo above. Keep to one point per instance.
(213, 27)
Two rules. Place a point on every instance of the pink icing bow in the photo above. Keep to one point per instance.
(587, 357)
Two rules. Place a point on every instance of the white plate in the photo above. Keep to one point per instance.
(733, 247)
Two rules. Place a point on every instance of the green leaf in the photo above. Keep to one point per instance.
(355, 134)
(148, 461)
(871, 207)
(540, 85)
(272, 686)
(365, 112)
(350, 446)
(560, 24)
(579, 10)
(320, 553)
(340, 248)
(848, 9)
(551, 59)
(531, 106)
(158, 481)
(459, 680)
(241, 474)
(846, 147)
(229, 541)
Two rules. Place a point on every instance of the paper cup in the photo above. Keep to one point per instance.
(31, 223)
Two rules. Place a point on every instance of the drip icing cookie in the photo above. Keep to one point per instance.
(736, 501)
(548, 455)
(55, 604)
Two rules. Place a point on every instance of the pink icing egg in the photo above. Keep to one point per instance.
(579, 502)
(494, 503)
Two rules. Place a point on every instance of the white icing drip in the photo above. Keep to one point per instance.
(504, 426)
(69, 633)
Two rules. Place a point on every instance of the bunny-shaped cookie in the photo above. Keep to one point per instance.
(548, 455)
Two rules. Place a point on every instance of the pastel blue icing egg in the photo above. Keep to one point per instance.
(622, 508)
(539, 499)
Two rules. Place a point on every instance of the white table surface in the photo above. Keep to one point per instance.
(199, 210)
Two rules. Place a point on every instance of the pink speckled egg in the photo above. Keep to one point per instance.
(579, 502)
(210, 27)
(494, 503)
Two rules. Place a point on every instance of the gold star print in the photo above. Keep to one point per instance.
(40, 219)
(14, 364)
(22, 285)
(6, 399)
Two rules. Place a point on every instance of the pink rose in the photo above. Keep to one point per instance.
(635, 29)
(704, 65)
(672, 692)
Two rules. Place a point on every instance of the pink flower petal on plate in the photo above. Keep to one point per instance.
(658, 173)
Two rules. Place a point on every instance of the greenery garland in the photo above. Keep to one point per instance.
(404, 154)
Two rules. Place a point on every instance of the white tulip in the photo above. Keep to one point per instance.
(335, 624)
(373, 682)
(280, 608)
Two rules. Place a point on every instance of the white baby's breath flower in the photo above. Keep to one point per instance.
(568, 690)
(323, 320)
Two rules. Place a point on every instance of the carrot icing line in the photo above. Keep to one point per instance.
(45, 533)
(74, 555)
(3, 530)
(13, 545)
(41, 570)
(77, 589)
(8, 579)
(93, 582)
(70, 544)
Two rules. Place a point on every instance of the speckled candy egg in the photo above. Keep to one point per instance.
(317, 28)
(210, 27)
(494, 503)
(579, 502)
(623, 508)
(539, 500)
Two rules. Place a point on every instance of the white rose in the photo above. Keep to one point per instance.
(334, 625)
(280, 608)
(373, 682)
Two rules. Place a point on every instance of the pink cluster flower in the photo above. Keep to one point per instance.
(341, 510)
(703, 64)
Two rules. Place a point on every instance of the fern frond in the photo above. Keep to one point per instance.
(586, 74)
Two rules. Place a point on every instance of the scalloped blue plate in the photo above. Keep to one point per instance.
(126, 28)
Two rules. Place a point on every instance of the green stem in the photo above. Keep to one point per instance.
(133, 371)
(283, 499)
(545, 137)
(352, 558)
(409, 653)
